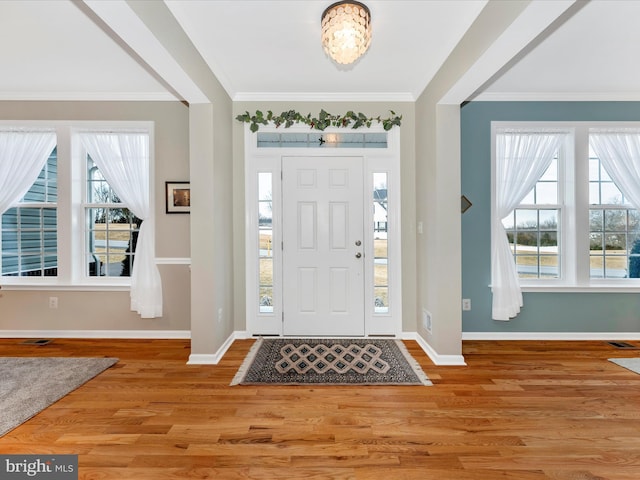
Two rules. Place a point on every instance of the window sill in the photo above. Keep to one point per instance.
(103, 287)
(592, 288)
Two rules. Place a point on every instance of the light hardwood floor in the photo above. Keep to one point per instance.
(519, 410)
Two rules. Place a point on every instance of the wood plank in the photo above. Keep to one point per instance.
(518, 410)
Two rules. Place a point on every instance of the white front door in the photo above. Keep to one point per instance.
(323, 252)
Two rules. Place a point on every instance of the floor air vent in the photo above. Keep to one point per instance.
(623, 345)
(36, 341)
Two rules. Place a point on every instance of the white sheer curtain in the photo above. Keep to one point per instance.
(521, 159)
(123, 159)
(619, 153)
(23, 153)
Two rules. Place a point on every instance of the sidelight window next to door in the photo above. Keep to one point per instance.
(380, 244)
(265, 242)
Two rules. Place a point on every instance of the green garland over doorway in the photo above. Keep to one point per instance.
(321, 122)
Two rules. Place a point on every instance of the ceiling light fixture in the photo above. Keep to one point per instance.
(346, 31)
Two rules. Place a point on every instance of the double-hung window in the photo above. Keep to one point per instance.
(578, 227)
(87, 221)
(533, 228)
(72, 228)
(111, 229)
(614, 227)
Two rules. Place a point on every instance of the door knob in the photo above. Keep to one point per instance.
(358, 255)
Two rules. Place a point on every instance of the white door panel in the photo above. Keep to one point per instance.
(323, 263)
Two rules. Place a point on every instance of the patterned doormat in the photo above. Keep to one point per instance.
(286, 361)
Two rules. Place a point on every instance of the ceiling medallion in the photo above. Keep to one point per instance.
(346, 31)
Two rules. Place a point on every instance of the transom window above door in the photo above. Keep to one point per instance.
(321, 140)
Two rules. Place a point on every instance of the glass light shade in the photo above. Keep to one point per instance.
(346, 31)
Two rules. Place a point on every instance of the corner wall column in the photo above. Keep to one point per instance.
(201, 161)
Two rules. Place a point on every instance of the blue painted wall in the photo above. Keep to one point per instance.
(542, 312)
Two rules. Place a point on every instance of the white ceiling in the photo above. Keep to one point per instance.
(260, 50)
(593, 56)
(51, 50)
(272, 47)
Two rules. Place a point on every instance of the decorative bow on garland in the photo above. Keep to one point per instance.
(324, 120)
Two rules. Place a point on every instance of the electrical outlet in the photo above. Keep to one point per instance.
(53, 302)
(466, 304)
(220, 315)
(426, 320)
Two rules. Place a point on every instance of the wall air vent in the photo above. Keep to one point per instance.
(37, 341)
(623, 345)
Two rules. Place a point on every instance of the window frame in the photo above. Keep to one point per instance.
(71, 205)
(573, 220)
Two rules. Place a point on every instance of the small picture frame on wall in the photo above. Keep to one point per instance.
(178, 197)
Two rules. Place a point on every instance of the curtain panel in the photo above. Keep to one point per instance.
(619, 153)
(522, 157)
(23, 154)
(123, 159)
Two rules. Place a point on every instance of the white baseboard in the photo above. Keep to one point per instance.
(241, 335)
(438, 359)
(124, 334)
(214, 358)
(567, 336)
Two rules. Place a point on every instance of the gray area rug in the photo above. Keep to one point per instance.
(632, 364)
(30, 384)
(286, 361)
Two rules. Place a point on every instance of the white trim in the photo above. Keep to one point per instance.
(241, 335)
(173, 261)
(59, 287)
(214, 358)
(438, 359)
(106, 334)
(591, 288)
(88, 287)
(324, 97)
(563, 336)
(558, 97)
(268, 160)
(203, 359)
(89, 96)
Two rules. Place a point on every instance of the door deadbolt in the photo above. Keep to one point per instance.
(358, 243)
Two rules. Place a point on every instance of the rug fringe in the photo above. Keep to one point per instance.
(414, 363)
(242, 371)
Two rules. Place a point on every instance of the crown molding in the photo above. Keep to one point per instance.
(557, 97)
(88, 96)
(323, 97)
